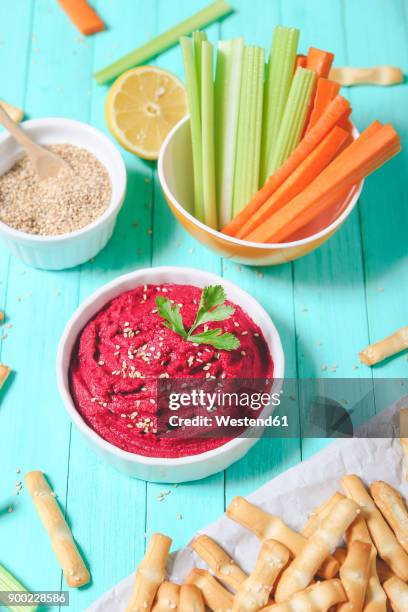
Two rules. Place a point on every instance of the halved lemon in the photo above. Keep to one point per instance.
(141, 108)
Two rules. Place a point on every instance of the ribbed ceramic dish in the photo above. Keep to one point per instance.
(65, 250)
(150, 468)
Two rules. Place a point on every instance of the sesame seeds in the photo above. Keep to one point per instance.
(58, 205)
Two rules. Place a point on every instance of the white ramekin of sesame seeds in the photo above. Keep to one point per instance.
(160, 469)
(44, 238)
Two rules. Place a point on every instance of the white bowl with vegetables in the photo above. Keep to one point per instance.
(135, 464)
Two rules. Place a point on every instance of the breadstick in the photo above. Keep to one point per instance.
(167, 598)
(150, 574)
(317, 598)
(340, 554)
(219, 561)
(269, 527)
(65, 549)
(354, 575)
(383, 571)
(190, 599)
(304, 566)
(397, 591)
(393, 508)
(254, 592)
(384, 539)
(320, 513)
(374, 353)
(375, 599)
(215, 596)
(376, 75)
(4, 374)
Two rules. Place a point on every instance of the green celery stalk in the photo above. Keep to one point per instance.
(9, 583)
(279, 76)
(207, 134)
(160, 43)
(227, 91)
(194, 107)
(198, 38)
(294, 117)
(246, 175)
(256, 122)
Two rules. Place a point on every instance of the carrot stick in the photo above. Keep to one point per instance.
(326, 90)
(304, 174)
(338, 108)
(360, 159)
(83, 16)
(319, 61)
(301, 60)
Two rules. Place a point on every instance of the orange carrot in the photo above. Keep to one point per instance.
(304, 174)
(360, 159)
(338, 108)
(83, 16)
(301, 60)
(326, 90)
(319, 61)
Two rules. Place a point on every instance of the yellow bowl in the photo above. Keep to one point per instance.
(176, 178)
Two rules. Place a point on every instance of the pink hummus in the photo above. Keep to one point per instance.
(125, 348)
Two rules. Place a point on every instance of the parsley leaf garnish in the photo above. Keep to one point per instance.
(211, 308)
(171, 314)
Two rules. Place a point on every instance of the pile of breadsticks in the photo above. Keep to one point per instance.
(308, 571)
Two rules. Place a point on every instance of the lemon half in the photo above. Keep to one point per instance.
(142, 106)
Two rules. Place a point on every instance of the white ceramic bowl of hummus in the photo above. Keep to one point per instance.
(155, 468)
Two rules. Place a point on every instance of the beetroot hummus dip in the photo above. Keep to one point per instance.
(125, 348)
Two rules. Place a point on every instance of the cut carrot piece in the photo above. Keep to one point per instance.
(301, 60)
(319, 61)
(338, 108)
(308, 170)
(326, 90)
(360, 159)
(83, 16)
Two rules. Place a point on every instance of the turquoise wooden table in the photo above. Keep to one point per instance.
(327, 306)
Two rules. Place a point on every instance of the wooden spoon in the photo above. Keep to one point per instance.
(46, 164)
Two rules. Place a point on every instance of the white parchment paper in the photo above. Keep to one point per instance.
(292, 495)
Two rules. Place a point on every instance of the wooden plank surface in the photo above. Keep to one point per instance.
(326, 306)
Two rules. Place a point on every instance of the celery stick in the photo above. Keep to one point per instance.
(294, 117)
(9, 583)
(246, 175)
(278, 80)
(241, 159)
(194, 102)
(207, 134)
(198, 38)
(227, 90)
(256, 122)
(160, 43)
